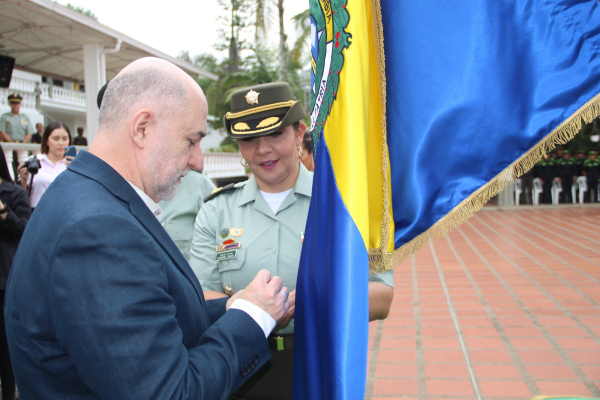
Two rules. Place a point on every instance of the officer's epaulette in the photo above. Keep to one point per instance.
(218, 191)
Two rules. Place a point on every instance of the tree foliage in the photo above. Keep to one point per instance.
(247, 63)
(87, 13)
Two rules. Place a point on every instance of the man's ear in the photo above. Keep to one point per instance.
(143, 122)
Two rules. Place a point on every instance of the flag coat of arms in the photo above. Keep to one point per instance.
(420, 113)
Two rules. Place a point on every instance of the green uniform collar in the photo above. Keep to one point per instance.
(251, 193)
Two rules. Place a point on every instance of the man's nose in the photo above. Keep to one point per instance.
(196, 161)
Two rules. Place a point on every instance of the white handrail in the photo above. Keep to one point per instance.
(217, 165)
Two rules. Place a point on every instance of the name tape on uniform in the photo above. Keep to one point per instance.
(228, 255)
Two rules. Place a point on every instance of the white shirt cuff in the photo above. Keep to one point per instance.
(262, 318)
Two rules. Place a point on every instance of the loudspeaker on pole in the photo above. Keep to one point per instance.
(6, 68)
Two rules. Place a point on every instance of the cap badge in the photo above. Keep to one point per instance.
(237, 232)
(252, 97)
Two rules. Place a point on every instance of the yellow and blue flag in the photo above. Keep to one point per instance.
(421, 111)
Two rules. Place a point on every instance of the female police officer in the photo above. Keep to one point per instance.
(259, 224)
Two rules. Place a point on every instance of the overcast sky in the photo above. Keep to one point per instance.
(174, 25)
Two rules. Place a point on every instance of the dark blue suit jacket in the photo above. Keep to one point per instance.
(101, 304)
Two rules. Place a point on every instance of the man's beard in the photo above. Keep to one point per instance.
(165, 186)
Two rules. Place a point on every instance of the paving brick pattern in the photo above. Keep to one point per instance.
(506, 307)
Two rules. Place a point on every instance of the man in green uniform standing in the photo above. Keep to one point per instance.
(14, 126)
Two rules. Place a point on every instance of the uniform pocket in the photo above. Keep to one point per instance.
(232, 264)
(232, 277)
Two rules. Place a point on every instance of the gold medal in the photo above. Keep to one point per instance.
(237, 232)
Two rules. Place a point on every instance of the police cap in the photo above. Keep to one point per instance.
(15, 98)
(261, 110)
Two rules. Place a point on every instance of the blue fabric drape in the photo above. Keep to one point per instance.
(471, 87)
(332, 307)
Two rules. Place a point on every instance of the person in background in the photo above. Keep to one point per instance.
(180, 213)
(79, 139)
(568, 175)
(260, 223)
(52, 161)
(14, 214)
(37, 136)
(14, 126)
(307, 153)
(591, 167)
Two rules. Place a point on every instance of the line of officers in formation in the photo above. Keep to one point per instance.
(562, 166)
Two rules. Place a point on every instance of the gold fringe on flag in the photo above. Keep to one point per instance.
(465, 210)
(380, 259)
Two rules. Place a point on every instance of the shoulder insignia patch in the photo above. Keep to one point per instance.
(218, 191)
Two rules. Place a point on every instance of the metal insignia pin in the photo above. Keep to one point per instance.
(224, 232)
(252, 97)
(237, 232)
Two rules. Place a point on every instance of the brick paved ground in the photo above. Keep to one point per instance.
(505, 307)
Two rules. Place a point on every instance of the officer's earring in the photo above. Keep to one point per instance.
(299, 151)
(243, 162)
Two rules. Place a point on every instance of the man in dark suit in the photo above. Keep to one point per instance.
(100, 302)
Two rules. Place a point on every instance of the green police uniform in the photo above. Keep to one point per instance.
(237, 234)
(17, 126)
(261, 240)
(180, 213)
(266, 240)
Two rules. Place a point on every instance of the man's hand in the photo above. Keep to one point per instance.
(267, 293)
(285, 320)
(232, 299)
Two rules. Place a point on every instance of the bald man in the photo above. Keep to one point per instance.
(100, 302)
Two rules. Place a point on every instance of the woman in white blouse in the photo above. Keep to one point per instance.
(52, 161)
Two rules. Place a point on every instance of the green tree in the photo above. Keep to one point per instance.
(264, 16)
(236, 20)
(87, 13)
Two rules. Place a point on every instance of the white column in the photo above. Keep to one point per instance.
(8, 154)
(95, 69)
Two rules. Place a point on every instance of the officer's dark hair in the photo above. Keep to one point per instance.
(4, 174)
(307, 142)
(49, 129)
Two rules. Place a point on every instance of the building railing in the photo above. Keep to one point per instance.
(217, 165)
(58, 93)
(48, 94)
(223, 165)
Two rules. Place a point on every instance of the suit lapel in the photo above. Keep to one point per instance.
(94, 168)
